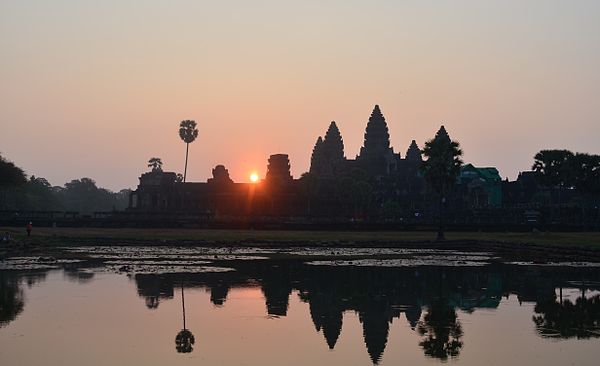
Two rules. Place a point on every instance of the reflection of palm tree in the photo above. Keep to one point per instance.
(442, 331)
(184, 340)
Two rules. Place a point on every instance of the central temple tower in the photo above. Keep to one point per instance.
(376, 156)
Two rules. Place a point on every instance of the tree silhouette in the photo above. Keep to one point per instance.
(10, 174)
(442, 331)
(184, 341)
(40, 195)
(583, 171)
(565, 319)
(83, 195)
(441, 169)
(551, 167)
(11, 178)
(188, 133)
(12, 300)
(155, 164)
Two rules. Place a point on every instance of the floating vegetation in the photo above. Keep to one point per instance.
(253, 253)
(163, 269)
(156, 263)
(33, 263)
(403, 262)
(163, 252)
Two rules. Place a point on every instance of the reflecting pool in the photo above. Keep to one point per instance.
(263, 311)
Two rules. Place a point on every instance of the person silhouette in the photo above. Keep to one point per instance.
(28, 228)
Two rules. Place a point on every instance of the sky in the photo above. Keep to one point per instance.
(95, 89)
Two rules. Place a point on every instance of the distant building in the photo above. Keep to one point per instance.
(483, 186)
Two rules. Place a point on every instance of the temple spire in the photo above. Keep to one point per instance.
(377, 137)
(413, 153)
(442, 134)
(376, 156)
(328, 154)
(333, 144)
(316, 157)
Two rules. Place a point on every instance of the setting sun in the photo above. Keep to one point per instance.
(254, 177)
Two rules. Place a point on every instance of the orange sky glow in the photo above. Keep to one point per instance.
(96, 89)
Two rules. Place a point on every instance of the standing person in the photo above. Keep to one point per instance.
(28, 227)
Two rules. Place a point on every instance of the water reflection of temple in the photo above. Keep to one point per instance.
(427, 297)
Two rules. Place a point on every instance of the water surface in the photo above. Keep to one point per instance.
(298, 312)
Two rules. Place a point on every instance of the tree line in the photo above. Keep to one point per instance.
(21, 193)
(567, 170)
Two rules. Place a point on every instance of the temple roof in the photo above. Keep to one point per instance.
(489, 174)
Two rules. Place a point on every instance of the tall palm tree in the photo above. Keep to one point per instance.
(188, 133)
(441, 169)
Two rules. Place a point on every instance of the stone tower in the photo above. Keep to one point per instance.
(328, 154)
(333, 145)
(376, 157)
(316, 157)
(220, 175)
(414, 153)
(278, 169)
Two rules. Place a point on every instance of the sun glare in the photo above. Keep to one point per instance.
(254, 177)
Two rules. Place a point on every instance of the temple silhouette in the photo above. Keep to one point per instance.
(332, 179)
(378, 185)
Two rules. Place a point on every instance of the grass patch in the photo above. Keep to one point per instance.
(588, 240)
